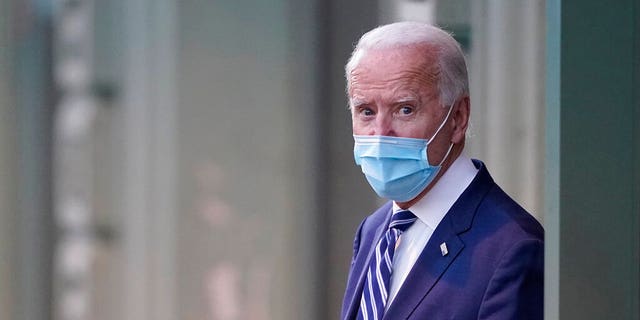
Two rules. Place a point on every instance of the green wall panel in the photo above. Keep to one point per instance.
(592, 74)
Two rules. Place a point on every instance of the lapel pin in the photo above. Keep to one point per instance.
(443, 249)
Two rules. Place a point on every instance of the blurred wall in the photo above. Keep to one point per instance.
(245, 239)
(592, 178)
(222, 175)
(506, 68)
(25, 160)
(8, 186)
(208, 171)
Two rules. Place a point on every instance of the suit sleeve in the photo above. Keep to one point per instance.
(516, 289)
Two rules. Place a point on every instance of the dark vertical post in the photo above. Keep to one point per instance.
(34, 101)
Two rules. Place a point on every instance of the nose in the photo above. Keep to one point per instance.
(383, 125)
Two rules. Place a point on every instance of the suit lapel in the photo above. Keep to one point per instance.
(431, 263)
(429, 267)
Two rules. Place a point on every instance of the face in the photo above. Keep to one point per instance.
(393, 92)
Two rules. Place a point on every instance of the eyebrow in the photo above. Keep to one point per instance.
(356, 101)
(408, 98)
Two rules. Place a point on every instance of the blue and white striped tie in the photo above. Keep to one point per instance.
(376, 288)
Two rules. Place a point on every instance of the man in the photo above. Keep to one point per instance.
(451, 244)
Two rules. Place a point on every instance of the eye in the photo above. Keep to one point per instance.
(366, 111)
(406, 109)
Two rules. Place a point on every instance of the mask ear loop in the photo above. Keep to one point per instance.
(442, 124)
(437, 131)
(446, 155)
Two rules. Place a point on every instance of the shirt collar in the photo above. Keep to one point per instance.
(432, 208)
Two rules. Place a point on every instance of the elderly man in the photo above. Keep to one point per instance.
(450, 244)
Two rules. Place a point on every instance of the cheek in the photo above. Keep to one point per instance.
(358, 127)
(411, 130)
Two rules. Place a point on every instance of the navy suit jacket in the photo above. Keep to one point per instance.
(493, 268)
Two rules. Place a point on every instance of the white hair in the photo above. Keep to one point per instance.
(453, 81)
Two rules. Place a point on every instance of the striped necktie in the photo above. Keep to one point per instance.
(376, 288)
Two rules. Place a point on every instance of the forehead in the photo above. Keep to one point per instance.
(395, 69)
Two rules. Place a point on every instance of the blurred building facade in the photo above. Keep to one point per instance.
(192, 159)
(166, 159)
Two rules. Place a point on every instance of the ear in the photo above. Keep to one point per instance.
(461, 113)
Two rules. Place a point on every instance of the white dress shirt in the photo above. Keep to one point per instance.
(430, 210)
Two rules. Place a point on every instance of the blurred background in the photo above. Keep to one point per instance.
(164, 159)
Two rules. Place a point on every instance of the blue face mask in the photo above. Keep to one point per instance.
(397, 168)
